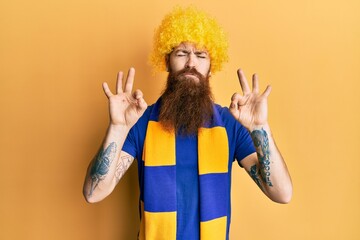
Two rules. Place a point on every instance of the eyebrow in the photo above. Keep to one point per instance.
(181, 50)
(201, 52)
(187, 51)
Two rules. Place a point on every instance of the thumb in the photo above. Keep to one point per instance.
(267, 91)
(138, 95)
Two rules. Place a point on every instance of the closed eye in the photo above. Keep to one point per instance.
(201, 54)
(181, 53)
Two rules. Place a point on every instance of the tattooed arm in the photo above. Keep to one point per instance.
(110, 163)
(107, 167)
(267, 167)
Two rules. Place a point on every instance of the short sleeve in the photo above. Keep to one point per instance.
(134, 141)
(244, 144)
(240, 142)
(129, 144)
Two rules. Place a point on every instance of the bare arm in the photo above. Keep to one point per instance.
(266, 167)
(110, 163)
(107, 166)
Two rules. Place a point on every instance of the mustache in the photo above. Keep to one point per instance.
(191, 71)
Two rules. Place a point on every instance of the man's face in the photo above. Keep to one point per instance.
(187, 56)
(187, 100)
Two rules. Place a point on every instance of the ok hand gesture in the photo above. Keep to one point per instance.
(251, 109)
(125, 107)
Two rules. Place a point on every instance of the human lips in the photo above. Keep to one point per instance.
(190, 75)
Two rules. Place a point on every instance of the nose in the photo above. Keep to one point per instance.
(191, 61)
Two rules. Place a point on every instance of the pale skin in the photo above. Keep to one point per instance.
(125, 108)
(266, 167)
(251, 110)
(188, 56)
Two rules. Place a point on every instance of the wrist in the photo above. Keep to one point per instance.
(118, 128)
(264, 126)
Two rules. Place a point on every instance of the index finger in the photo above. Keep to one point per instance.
(107, 90)
(119, 82)
(130, 80)
(243, 82)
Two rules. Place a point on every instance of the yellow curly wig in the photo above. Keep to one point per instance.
(189, 25)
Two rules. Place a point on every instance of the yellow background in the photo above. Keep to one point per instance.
(54, 55)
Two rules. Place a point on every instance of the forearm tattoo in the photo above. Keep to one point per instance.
(122, 166)
(101, 165)
(261, 143)
(255, 175)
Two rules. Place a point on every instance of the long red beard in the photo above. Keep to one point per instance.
(186, 105)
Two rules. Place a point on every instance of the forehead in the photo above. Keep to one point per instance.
(190, 47)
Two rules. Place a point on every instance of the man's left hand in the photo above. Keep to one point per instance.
(251, 109)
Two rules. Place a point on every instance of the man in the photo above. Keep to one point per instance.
(184, 143)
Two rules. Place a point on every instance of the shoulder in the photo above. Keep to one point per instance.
(221, 109)
(144, 119)
(225, 114)
(151, 113)
(230, 123)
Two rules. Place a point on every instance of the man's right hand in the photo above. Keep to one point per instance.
(125, 107)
